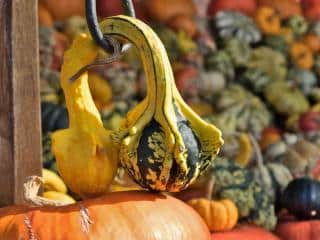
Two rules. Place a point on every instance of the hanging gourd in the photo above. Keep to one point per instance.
(164, 144)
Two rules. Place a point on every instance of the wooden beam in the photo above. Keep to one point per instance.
(20, 131)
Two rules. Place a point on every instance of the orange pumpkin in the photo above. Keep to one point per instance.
(245, 232)
(185, 23)
(268, 20)
(244, 6)
(62, 9)
(128, 215)
(219, 215)
(311, 9)
(301, 55)
(304, 230)
(285, 8)
(163, 10)
(45, 18)
(312, 41)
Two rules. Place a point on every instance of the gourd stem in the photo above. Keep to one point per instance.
(257, 150)
(31, 189)
(258, 153)
(209, 187)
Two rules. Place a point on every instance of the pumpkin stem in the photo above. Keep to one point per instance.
(31, 189)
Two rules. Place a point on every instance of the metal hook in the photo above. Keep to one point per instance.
(93, 24)
(106, 42)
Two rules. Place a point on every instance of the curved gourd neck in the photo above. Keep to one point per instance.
(153, 55)
(81, 108)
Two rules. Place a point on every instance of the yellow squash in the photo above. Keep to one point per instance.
(86, 156)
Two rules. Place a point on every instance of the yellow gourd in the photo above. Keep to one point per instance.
(245, 150)
(58, 196)
(52, 182)
(100, 89)
(87, 158)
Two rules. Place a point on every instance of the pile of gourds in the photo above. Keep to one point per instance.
(250, 67)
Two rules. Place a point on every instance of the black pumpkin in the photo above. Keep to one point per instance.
(53, 117)
(302, 198)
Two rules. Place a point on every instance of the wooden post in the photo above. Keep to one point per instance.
(20, 131)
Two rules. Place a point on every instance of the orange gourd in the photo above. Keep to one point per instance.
(163, 10)
(128, 215)
(247, 7)
(245, 232)
(219, 215)
(268, 20)
(44, 16)
(288, 34)
(269, 135)
(185, 23)
(302, 230)
(62, 9)
(312, 41)
(285, 8)
(301, 55)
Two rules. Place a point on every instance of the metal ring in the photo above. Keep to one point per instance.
(117, 53)
(94, 28)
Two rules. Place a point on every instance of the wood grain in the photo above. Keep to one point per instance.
(20, 131)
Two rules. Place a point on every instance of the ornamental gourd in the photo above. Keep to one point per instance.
(301, 198)
(53, 117)
(234, 24)
(301, 55)
(219, 215)
(298, 24)
(269, 61)
(237, 184)
(86, 156)
(267, 20)
(250, 112)
(164, 144)
(285, 8)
